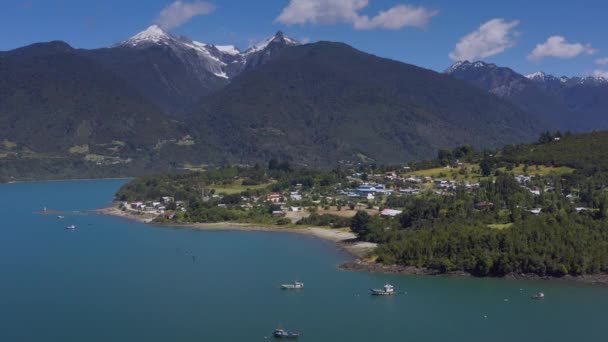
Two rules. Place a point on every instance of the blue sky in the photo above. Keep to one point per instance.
(424, 33)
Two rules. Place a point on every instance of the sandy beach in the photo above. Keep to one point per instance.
(344, 240)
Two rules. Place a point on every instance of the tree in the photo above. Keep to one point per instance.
(359, 223)
(485, 167)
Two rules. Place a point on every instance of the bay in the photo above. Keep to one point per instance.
(116, 280)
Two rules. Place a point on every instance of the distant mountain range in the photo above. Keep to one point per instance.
(566, 103)
(161, 101)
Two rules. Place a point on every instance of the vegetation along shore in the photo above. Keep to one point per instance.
(533, 211)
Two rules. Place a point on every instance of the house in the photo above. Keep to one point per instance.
(390, 212)
(535, 211)
(370, 196)
(392, 175)
(166, 199)
(522, 179)
(273, 197)
(137, 205)
(296, 209)
(278, 213)
(413, 180)
(295, 196)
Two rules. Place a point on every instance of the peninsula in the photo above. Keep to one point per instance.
(529, 210)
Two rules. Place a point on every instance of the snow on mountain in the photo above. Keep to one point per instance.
(153, 34)
(279, 37)
(223, 61)
(588, 80)
(465, 65)
(228, 49)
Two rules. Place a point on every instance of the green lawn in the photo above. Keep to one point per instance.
(449, 174)
(500, 226)
(541, 170)
(237, 187)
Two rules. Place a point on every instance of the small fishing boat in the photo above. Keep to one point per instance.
(60, 217)
(281, 333)
(295, 286)
(539, 295)
(70, 227)
(387, 290)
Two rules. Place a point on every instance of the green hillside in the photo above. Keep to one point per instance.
(321, 103)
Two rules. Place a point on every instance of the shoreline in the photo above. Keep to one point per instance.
(343, 240)
(373, 267)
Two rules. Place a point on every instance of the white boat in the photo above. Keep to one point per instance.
(295, 286)
(387, 290)
(539, 295)
(70, 227)
(60, 217)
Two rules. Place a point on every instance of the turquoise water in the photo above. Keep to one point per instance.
(115, 280)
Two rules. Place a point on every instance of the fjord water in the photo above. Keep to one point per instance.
(117, 280)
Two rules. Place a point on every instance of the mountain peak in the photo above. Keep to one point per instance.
(279, 37)
(153, 34)
(464, 65)
(537, 76)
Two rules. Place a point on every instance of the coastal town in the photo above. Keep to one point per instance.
(373, 193)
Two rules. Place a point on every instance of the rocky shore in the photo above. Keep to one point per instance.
(365, 266)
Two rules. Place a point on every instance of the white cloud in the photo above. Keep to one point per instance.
(491, 38)
(602, 61)
(557, 46)
(180, 12)
(600, 73)
(348, 11)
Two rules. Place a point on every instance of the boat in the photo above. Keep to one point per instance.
(60, 217)
(281, 333)
(539, 295)
(295, 286)
(70, 227)
(387, 290)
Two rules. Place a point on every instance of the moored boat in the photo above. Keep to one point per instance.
(387, 290)
(295, 286)
(281, 333)
(539, 295)
(70, 227)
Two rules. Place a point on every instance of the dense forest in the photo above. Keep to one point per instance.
(502, 227)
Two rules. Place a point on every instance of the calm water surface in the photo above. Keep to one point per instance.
(115, 280)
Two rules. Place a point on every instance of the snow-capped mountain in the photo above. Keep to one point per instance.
(541, 77)
(223, 61)
(177, 72)
(571, 103)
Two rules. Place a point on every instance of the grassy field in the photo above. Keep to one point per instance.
(472, 172)
(471, 175)
(500, 226)
(237, 187)
(541, 170)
